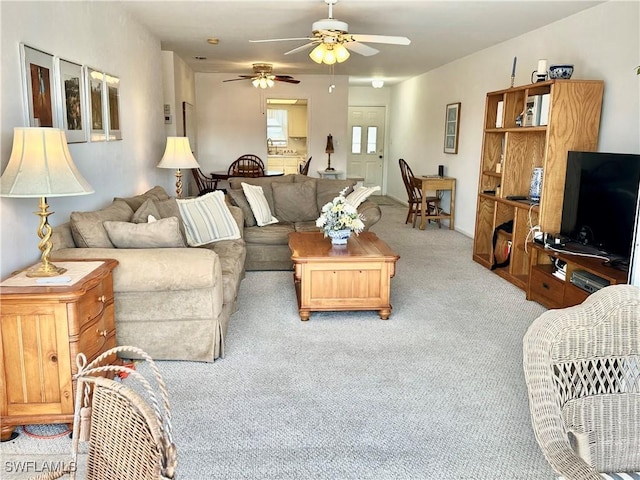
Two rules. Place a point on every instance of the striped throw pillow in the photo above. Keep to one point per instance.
(616, 476)
(259, 205)
(207, 219)
(360, 194)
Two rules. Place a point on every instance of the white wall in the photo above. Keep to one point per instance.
(585, 40)
(102, 35)
(231, 118)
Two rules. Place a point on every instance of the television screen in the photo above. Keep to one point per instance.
(600, 202)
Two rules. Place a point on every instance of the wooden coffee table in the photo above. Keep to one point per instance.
(356, 276)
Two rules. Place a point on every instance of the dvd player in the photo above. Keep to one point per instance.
(588, 281)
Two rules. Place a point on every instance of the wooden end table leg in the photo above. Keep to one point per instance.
(7, 433)
(304, 315)
(384, 313)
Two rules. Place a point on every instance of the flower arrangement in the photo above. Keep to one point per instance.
(339, 215)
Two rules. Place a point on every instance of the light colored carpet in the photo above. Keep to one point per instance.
(435, 392)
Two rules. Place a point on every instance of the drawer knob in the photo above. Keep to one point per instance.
(102, 333)
(102, 298)
(545, 285)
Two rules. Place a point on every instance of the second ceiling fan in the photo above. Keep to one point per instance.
(263, 76)
(333, 41)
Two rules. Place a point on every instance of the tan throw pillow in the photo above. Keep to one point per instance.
(259, 205)
(207, 219)
(141, 215)
(156, 193)
(87, 228)
(239, 199)
(329, 188)
(164, 233)
(295, 202)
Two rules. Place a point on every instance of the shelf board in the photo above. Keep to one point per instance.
(540, 128)
(491, 173)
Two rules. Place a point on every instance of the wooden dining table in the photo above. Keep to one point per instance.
(224, 175)
(429, 183)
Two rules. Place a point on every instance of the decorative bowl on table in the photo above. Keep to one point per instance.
(561, 71)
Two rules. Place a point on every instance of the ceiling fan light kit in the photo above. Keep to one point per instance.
(263, 76)
(332, 41)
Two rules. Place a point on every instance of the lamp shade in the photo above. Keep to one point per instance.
(329, 147)
(177, 154)
(41, 166)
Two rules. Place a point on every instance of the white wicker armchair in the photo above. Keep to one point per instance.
(582, 369)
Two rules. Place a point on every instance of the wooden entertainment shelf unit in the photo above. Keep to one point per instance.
(570, 120)
(553, 292)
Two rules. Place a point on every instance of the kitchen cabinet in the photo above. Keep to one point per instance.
(297, 121)
(282, 163)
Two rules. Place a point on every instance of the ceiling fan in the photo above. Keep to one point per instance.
(333, 41)
(263, 76)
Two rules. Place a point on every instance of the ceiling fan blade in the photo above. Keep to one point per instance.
(360, 48)
(279, 39)
(380, 39)
(301, 47)
(244, 77)
(286, 78)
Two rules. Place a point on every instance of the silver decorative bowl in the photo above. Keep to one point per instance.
(561, 71)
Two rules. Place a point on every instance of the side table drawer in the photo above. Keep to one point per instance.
(94, 302)
(546, 288)
(98, 335)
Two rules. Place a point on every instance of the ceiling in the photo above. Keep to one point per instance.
(440, 32)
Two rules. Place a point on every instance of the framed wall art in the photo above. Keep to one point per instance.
(112, 103)
(95, 83)
(38, 87)
(451, 126)
(73, 99)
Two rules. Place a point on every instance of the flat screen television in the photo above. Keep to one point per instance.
(600, 206)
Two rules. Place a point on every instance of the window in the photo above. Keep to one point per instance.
(372, 138)
(356, 139)
(277, 127)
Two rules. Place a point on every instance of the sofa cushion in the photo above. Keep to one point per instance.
(239, 199)
(156, 193)
(164, 233)
(207, 219)
(360, 194)
(295, 202)
(264, 182)
(87, 228)
(274, 234)
(141, 215)
(329, 188)
(259, 205)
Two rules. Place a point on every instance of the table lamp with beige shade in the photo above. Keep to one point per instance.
(41, 166)
(178, 155)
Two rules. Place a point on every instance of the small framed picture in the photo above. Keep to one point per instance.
(451, 126)
(73, 100)
(38, 87)
(112, 102)
(95, 83)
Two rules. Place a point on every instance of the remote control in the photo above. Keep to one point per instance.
(517, 197)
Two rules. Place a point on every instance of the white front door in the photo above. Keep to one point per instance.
(366, 151)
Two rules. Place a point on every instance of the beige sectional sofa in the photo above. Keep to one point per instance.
(295, 200)
(174, 302)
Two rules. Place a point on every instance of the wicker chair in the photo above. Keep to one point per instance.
(582, 370)
(128, 429)
(415, 196)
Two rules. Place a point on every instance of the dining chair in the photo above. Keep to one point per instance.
(414, 195)
(246, 167)
(250, 156)
(205, 183)
(304, 169)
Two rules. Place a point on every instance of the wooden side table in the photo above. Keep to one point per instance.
(42, 329)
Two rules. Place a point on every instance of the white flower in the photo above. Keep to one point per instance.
(340, 215)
